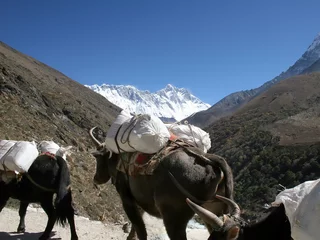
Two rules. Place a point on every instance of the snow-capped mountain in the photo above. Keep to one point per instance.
(170, 104)
(307, 63)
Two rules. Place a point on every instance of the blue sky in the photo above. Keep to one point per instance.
(210, 47)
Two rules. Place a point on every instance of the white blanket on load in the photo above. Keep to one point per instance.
(144, 133)
(191, 134)
(302, 204)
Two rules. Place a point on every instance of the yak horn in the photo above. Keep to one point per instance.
(206, 215)
(235, 208)
(96, 141)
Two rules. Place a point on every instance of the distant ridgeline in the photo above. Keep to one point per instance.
(273, 140)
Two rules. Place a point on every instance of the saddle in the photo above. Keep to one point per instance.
(138, 163)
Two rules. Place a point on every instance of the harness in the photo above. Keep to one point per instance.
(53, 157)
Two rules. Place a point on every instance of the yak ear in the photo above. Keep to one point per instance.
(233, 233)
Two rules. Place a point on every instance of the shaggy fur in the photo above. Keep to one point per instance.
(52, 174)
(157, 195)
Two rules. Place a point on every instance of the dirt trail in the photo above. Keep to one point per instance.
(92, 230)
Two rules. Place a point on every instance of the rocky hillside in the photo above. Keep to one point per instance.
(274, 139)
(308, 62)
(40, 103)
(313, 68)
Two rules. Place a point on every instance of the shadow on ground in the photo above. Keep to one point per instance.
(24, 236)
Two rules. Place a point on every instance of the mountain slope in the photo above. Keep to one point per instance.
(234, 101)
(170, 104)
(39, 103)
(315, 67)
(274, 139)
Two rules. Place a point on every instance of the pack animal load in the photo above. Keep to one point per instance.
(53, 148)
(191, 134)
(17, 156)
(302, 204)
(142, 133)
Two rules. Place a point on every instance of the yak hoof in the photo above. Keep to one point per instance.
(21, 230)
(132, 238)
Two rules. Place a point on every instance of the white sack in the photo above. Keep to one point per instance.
(143, 133)
(53, 148)
(20, 156)
(302, 204)
(191, 134)
(149, 135)
(122, 122)
(5, 146)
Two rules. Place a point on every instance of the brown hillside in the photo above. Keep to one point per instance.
(297, 100)
(40, 103)
(273, 139)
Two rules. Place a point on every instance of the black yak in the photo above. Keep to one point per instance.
(48, 175)
(203, 175)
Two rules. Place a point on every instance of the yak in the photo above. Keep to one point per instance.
(275, 225)
(202, 174)
(48, 175)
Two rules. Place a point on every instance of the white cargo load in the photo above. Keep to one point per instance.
(5, 146)
(19, 156)
(53, 148)
(302, 204)
(191, 134)
(142, 133)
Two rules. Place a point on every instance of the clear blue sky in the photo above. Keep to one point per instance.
(211, 47)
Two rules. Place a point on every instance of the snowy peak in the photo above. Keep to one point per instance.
(169, 104)
(309, 62)
(315, 44)
(305, 61)
(178, 94)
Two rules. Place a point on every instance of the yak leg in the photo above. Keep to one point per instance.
(176, 222)
(49, 209)
(136, 219)
(22, 213)
(4, 195)
(131, 209)
(70, 218)
(133, 234)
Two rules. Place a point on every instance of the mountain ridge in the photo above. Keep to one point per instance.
(271, 140)
(169, 104)
(236, 100)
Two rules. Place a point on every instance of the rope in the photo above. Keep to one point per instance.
(6, 170)
(123, 140)
(133, 122)
(191, 130)
(118, 147)
(194, 139)
(38, 185)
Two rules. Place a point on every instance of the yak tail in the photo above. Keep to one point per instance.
(227, 172)
(63, 201)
